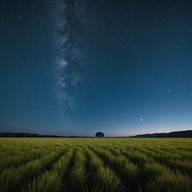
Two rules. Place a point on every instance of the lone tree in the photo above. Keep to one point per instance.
(99, 134)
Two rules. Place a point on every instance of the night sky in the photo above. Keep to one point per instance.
(75, 67)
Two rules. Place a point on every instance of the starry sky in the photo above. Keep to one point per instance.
(75, 67)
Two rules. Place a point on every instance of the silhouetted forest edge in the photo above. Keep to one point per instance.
(175, 134)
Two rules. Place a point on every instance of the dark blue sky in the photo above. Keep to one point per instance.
(76, 67)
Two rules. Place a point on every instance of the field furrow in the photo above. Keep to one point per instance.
(126, 170)
(95, 165)
(173, 161)
(78, 172)
(105, 179)
(52, 180)
(11, 179)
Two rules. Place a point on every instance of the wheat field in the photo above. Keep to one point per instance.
(95, 165)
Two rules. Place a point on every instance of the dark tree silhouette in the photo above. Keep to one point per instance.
(99, 134)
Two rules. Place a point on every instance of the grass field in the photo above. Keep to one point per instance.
(95, 165)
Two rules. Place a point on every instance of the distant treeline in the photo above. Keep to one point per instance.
(175, 134)
(11, 134)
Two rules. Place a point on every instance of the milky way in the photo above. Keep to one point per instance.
(69, 67)
(76, 67)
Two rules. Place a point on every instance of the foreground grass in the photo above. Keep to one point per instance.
(108, 165)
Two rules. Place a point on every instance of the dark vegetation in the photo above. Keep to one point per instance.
(11, 134)
(99, 134)
(175, 134)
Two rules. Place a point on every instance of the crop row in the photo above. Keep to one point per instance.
(95, 165)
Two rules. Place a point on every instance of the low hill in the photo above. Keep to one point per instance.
(175, 134)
